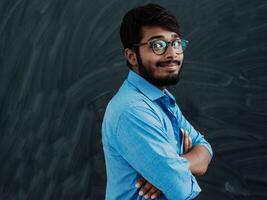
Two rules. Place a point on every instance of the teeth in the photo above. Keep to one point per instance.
(170, 65)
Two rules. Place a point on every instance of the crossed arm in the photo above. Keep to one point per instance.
(145, 145)
(198, 158)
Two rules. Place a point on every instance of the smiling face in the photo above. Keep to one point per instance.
(160, 70)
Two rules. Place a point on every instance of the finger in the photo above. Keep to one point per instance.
(183, 136)
(186, 142)
(190, 143)
(150, 192)
(183, 131)
(140, 182)
(156, 194)
(145, 188)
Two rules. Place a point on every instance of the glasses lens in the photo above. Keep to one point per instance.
(179, 45)
(176, 44)
(184, 44)
(158, 46)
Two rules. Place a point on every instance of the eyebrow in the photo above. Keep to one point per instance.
(161, 36)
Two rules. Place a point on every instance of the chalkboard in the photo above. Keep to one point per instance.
(62, 61)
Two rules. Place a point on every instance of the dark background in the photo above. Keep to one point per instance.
(61, 61)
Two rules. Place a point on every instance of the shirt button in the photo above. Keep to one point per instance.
(176, 142)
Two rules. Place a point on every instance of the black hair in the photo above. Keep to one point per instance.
(147, 15)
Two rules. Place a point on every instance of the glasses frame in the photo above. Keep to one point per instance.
(167, 45)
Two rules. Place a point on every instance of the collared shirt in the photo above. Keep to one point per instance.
(141, 137)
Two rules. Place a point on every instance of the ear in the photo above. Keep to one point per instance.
(130, 55)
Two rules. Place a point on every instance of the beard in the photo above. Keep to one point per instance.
(171, 79)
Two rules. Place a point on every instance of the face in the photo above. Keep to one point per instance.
(160, 70)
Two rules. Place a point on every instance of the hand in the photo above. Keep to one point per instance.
(148, 189)
(187, 141)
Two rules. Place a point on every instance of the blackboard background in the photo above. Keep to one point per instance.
(61, 61)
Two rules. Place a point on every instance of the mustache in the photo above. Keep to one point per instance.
(161, 64)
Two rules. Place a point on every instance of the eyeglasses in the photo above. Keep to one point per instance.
(159, 47)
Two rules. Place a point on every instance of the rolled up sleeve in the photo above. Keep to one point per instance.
(142, 142)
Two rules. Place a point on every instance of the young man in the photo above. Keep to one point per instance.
(146, 139)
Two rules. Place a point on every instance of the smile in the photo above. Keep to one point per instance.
(169, 64)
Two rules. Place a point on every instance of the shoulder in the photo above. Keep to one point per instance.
(127, 99)
(130, 105)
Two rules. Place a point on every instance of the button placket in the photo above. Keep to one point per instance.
(165, 101)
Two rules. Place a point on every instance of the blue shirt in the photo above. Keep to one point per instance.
(141, 137)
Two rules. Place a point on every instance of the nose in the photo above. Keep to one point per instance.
(170, 53)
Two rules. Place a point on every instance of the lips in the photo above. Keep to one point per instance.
(168, 64)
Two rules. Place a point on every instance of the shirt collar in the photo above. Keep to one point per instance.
(149, 90)
(171, 97)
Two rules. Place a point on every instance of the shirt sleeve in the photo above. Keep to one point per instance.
(142, 142)
(196, 136)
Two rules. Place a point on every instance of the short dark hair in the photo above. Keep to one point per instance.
(147, 15)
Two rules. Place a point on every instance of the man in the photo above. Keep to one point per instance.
(147, 141)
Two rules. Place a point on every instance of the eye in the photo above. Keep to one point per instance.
(158, 44)
(176, 43)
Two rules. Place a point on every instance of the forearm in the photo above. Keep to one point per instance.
(198, 159)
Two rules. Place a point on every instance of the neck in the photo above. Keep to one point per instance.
(162, 88)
